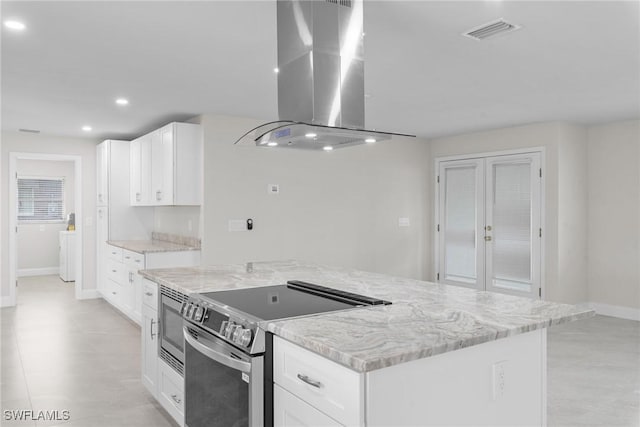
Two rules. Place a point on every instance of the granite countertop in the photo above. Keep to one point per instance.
(150, 246)
(160, 242)
(424, 320)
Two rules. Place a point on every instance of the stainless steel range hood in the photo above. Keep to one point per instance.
(320, 78)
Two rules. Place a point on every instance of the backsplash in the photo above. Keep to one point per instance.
(193, 242)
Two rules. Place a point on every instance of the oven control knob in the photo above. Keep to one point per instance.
(198, 314)
(183, 308)
(244, 338)
(189, 311)
(228, 332)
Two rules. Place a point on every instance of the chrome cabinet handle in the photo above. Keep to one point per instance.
(148, 294)
(487, 238)
(306, 379)
(127, 257)
(151, 329)
(176, 399)
(158, 195)
(114, 271)
(115, 293)
(138, 197)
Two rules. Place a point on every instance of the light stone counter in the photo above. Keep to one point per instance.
(150, 246)
(424, 320)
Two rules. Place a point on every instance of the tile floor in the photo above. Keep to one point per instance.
(59, 353)
(83, 356)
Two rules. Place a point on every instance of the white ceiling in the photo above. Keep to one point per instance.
(574, 61)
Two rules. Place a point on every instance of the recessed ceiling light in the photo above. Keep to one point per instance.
(311, 135)
(122, 101)
(276, 70)
(87, 128)
(15, 25)
(370, 140)
(272, 144)
(327, 148)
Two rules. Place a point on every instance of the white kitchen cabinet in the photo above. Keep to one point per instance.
(422, 392)
(102, 174)
(68, 256)
(123, 287)
(324, 385)
(171, 391)
(149, 340)
(290, 411)
(166, 166)
(102, 235)
(140, 171)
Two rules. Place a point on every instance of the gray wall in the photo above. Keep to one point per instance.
(339, 208)
(614, 214)
(37, 243)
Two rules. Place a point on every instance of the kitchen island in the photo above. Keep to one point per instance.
(438, 355)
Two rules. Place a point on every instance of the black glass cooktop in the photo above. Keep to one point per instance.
(293, 299)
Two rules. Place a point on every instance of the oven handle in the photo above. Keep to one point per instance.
(223, 358)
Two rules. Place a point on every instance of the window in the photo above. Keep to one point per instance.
(40, 199)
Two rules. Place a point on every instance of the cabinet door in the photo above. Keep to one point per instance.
(137, 295)
(102, 235)
(135, 183)
(162, 144)
(150, 349)
(129, 296)
(290, 411)
(102, 173)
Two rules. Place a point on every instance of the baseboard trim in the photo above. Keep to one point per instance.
(89, 294)
(618, 311)
(45, 271)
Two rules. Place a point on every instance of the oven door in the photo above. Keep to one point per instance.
(223, 386)
(171, 338)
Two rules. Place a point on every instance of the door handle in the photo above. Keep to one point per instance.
(487, 238)
(176, 399)
(151, 328)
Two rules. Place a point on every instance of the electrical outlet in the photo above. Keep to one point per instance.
(273, 188)
(499, 379)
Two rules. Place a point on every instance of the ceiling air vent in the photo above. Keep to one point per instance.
(29, 130)
(491, 29)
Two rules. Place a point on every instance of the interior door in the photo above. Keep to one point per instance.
(489, 216)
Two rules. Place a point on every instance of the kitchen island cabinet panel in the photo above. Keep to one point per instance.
(290, 411)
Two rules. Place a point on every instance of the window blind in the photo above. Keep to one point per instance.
(40, 199)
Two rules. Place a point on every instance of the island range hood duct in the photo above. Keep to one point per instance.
(320, 78)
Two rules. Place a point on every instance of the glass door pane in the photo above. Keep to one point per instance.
(460, 216)
(511, 224)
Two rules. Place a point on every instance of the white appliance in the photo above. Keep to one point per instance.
(68, 256)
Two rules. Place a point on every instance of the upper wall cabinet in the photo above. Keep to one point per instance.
(102, 174)
(166, 166)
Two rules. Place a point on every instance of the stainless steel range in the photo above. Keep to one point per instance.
(228, 357)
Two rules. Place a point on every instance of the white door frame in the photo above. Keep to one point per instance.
(13, 218)
(543, 207)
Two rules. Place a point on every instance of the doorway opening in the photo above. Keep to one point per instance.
(42, 211)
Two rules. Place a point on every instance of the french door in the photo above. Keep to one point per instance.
(488, 225)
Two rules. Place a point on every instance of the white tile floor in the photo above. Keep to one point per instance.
(83, 356)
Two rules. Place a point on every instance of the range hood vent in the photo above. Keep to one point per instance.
(320, 78)
(491, 29)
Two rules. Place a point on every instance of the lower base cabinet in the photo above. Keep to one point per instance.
(290, 411)
(150, 349)
(171, 391)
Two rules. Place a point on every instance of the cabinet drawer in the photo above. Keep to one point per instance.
(289, 411)
(114, 292)
(134, 260)
(114, 253)
(116, 271)
(150, 294)
(171, 391)
(333, 389)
